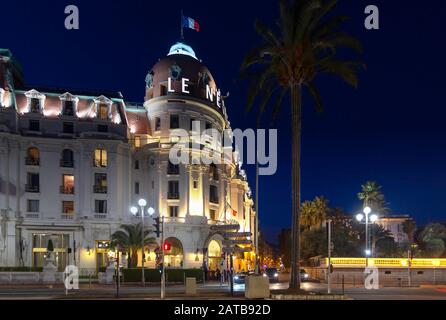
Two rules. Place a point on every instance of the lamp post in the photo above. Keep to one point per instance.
(151, 211)
(369, 218)
(142, 204)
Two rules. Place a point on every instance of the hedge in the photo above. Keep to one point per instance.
(154, 275)
(21, 269)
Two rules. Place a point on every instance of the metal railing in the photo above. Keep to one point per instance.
(66, 163)
(99, 189)
(31, 161)
(66, 190)
(32, 188)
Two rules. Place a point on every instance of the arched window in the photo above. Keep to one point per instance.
(213, 172)
(67, 159)
(32, 157)
(173, 254)
(100, 158)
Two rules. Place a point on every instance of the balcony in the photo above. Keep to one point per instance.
(66, 190)
(32, 188)
(66, 163)
(173, 170)
(173, 195)
(67, 216)
(32, 215)
(100, 189)
(100, 163)
(100, 216)
(30, 161)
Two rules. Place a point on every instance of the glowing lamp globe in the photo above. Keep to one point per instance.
(142, 202)
(359, 217)
(367, 210)
(134, 210)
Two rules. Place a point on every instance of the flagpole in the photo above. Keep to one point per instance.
(181, 24)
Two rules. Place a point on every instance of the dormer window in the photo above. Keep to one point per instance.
(103, 108)
(35, 101)
(69, 103)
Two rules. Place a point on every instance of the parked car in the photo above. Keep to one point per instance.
(304, 276)
(272, 274)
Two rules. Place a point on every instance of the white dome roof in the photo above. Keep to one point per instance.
(181, 48)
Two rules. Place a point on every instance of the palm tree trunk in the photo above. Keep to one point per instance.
(296, 148)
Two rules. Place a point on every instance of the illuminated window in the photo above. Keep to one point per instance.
(33, 157)
(103, 111)
(67, 184)
(68, 207)
(100, 158)
(137, 141)
(35, 105)
(212, 214)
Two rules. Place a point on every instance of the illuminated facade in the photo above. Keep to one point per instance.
(72, 163)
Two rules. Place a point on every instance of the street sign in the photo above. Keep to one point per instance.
(225, 227)
(230, 250)
(237, 241)
(237, 234)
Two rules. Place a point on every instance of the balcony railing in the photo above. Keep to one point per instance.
(173, 170)
(30, 161)
(66, 163)
(99, 189)
(66, 190)
(32, 188)
(173, 195)
(100, 216)
(100, 163)
(32, 215)
(67, 216)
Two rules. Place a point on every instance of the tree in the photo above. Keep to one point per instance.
(433, 231)
(372, 196)
(129, 238)
(302, 45)
(313, 213)
(432, 240)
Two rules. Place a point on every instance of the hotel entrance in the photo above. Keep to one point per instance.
(60, 244)
(214, 256)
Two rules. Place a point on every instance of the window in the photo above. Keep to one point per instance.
(136, 187)
(33, 182)
(67, 159)
(34, 125)
(35, 105)
(136, 164)
(173, 168)
(102, 128)
(32, 206)
(100, 206)
(157, 124)
(173, 192)
(208, 125)
(173, 211)
(67, 184)
(137, 142)
(100, 183)
(212, 214)
(174, 121)
(100, 158)
(32, 157)
(195, 184)
(103, 111)
(68, 207)
(163, 90)
(68, 108)
(68, 127)
(213, 194)
(213, 172)
(420, 272)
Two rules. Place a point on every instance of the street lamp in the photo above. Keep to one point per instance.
(368, 217)
(134, 210)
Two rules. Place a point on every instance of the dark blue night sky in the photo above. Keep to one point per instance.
(391, 129)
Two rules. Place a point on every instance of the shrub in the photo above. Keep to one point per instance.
(21, 269)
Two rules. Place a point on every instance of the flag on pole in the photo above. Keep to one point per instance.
(190, 23)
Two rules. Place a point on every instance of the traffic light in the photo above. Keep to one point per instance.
(157, 226)
(167, 246)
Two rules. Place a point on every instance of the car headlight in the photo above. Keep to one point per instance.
(276, 275)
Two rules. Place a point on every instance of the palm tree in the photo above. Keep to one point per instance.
(301, 46)
(129, 239)
(313, 213)
(372, 196)
(306, 214)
